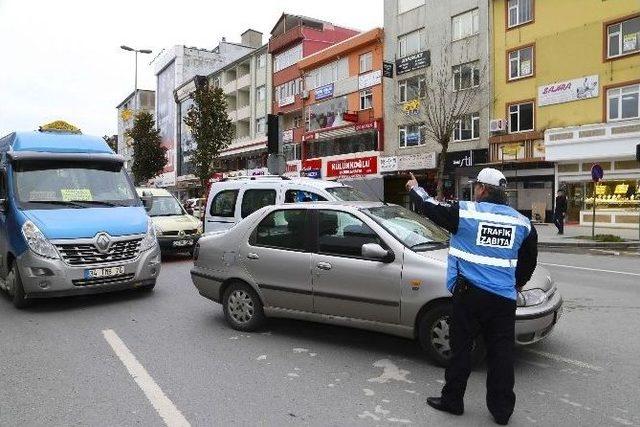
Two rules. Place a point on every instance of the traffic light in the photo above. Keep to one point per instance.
(273, 134)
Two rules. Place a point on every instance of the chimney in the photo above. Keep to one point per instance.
(252, 38)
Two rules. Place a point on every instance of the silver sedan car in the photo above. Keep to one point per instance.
(366, 265)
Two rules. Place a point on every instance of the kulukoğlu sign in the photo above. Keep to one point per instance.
(413, 62)
(351, 167)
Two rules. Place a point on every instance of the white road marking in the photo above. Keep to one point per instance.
(171, 416)
(565, 360)
(590, 269)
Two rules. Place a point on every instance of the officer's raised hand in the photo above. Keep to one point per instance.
(412, 182)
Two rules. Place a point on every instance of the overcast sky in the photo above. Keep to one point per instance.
(61, 58)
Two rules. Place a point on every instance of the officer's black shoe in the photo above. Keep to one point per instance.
(440, 405)
(503, 421)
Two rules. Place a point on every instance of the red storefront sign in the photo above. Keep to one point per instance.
(351, 167)
(312, 164)
(365, 126)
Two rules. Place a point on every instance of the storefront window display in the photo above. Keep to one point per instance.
(609, 196)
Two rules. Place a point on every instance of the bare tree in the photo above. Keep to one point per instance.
(444, 97)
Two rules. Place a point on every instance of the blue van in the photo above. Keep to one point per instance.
(71, 221)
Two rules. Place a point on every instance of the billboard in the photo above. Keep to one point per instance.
(166, 116)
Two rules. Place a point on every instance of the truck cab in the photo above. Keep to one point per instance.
(71, 221)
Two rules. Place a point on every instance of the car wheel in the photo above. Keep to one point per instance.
(15, 288)
(242, 307)
(433, 335)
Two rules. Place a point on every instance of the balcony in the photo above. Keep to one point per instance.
(244, 81)
(243, 113)
(233, 115)
(229, 87)
(285, 39)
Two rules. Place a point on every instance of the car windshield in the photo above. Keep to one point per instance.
(165, 206)
(347, 194)
(54, 185)
(414, 231)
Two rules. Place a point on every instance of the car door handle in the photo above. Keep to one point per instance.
(324, 266)
(251, 255)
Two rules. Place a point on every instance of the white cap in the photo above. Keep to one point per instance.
(491, 176)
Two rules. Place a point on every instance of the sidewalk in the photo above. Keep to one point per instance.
(548, 233)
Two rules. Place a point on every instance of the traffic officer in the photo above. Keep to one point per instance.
(492, 253)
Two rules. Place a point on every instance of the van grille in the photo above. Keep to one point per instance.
(176, 233)
(87, 253)
(103, 280)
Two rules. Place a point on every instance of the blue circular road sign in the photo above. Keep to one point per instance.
(596, 172)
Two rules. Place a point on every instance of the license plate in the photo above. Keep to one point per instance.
(181, 243)
(96, 273)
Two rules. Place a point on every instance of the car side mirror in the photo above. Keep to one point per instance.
(147, 202)
(376, 252)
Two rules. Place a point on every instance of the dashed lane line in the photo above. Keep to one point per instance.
(627, 273)
(559, 358)
(171, 416)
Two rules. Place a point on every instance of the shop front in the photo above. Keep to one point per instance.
(461, 167)
(612, 146)
(395, 171)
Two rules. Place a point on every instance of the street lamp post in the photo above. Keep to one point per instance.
(135, 87)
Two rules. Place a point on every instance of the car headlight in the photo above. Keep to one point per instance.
(531, 297)
(150, 239)
(37, 242)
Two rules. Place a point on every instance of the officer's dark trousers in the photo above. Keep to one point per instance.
(476, 311)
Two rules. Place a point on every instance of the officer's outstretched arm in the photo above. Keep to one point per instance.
(527, 258)
(444, 214)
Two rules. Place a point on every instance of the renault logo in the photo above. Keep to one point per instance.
(103, 241)
(181, 233)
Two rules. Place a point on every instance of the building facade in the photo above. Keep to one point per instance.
(293, 38)
(566, 83)
(342, 106)
(424, 39)
(140, 100)
(173, 67)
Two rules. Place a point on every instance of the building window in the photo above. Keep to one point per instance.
(466, 76)
(521, 117)
(262, 60)
(366, 62)
(287, 58)
(288, 89)
(261, 125)
(261, 93)
(409, 44)
(412, 88)
(411, 135)
(330, 73)
(623, 37)
(465, 25)
(521, 63)
(407, 5)
(520, 12)
(297, 121)
(366, 99)
(467, 128)
(623, 103)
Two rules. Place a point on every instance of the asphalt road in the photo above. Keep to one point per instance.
(59, 367)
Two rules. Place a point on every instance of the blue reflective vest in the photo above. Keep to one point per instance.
(485, 248)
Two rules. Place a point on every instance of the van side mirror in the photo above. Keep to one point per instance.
(376, 252)
(147, 201)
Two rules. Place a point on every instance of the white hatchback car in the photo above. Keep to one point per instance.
(231, 200)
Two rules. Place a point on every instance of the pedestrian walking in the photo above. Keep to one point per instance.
(493, 252)
(560, 211)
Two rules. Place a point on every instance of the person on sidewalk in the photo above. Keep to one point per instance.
(560, 211)
(492, 253)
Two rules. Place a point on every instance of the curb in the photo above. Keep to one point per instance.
(592, 245)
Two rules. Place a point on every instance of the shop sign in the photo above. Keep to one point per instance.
(287, 135)
(387, 69)
(258, 171)
(324, 91)
(293, 168)
(365, 126)
(411, 108)
(388, 164)
(417, 161)
(287, 100)
(567, 91)
(413, 62)
(353, 167)
(312, 168)
(370, 79)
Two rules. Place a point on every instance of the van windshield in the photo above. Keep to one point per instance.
(348, 194)
(165, 206)
(51, 185)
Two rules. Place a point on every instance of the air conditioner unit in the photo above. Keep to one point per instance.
(498, 125)
(305, 94)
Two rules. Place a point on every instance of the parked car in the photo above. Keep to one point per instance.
(367, 265)
(231, 200)
(195, 207)
(177, 231)
(70, 219)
